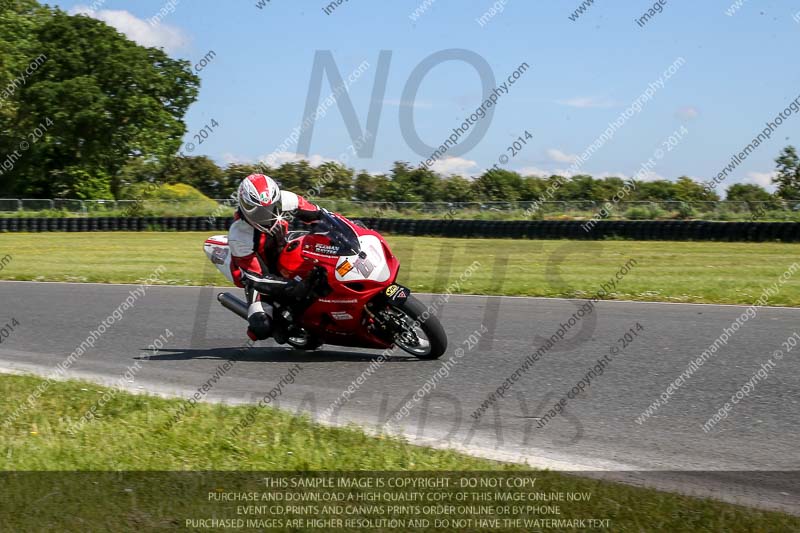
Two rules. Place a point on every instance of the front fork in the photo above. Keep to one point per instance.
(379, 325)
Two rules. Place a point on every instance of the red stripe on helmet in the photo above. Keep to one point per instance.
(260, 182)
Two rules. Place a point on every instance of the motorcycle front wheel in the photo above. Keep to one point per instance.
(416, 331)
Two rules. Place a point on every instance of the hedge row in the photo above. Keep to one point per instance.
(668, 230)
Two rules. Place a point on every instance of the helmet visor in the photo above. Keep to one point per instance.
(263, 217)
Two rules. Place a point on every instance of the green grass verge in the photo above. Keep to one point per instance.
(707, 272)
(128, 435)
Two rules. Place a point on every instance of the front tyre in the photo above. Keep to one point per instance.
(418, 332)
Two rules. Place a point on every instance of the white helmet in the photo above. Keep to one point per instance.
(260, 201)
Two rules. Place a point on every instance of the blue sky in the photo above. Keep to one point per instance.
(739, 72)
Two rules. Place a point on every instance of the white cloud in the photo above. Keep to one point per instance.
(534, 171)
(454, 165)
(233, 159)
(761, 178)
(649, 176)
(543, 172)
(561, 157)
(585, 102)
(276, 159)
(687, 113)
(160, 36)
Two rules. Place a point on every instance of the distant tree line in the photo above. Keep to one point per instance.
(404, 183)
(100, 117)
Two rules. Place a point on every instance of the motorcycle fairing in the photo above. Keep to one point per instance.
(219, 253)
(370, 264)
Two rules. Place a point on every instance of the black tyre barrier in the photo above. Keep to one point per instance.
(667, 230)
(642, 229)
(449, 228)
(469, 228)
(786, 232)
(719, 231)
(445, 229)
(506, 230)
(775, 229)
(574, 230)
(664, 228)
(386, 224)
(561, 229)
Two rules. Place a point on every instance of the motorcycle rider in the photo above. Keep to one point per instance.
(256, 239)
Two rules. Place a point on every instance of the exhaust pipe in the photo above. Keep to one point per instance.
(232, 303)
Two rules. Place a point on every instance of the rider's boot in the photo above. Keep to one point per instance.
(259, 321)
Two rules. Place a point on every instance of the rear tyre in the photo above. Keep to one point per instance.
(433, 341)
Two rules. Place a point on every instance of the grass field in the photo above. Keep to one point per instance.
(129, 435)
(709, 272)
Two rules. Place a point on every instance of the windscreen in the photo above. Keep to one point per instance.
(339, 232)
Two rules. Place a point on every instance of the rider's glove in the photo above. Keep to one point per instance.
(308, 217)
(264, 283)
(295, 289)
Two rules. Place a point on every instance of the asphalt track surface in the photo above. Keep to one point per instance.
(752, 457)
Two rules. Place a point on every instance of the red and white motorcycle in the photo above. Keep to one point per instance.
(352, 299)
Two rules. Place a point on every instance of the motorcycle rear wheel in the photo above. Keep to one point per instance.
(435, 337)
